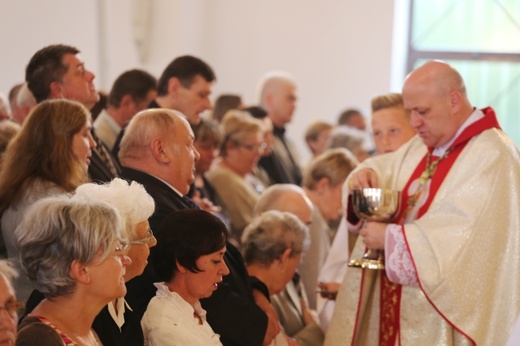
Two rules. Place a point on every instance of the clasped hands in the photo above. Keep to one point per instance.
(372, 233)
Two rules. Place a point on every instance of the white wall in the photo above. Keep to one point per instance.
(340, 51)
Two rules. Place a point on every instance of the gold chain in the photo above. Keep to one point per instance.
(423, 179)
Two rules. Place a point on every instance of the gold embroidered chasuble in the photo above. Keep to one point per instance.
(465, 249)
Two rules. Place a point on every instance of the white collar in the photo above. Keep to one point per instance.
(119, 315)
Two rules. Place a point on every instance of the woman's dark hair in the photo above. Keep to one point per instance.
(183, 237)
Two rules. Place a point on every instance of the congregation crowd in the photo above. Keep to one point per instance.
(149, 216)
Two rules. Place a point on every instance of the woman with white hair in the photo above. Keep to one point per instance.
(116, 324)
(272, 245)
(74, 252)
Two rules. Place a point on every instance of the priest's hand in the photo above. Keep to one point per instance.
(363, 178)
(373, 234)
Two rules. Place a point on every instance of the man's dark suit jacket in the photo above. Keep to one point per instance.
(141, 289)
(280, 170)
(231, 310)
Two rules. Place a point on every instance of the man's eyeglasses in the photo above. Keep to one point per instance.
(12, 307)
(147, 241)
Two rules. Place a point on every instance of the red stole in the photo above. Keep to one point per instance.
(390, 298)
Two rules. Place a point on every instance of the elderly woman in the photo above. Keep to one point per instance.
(73, 251)
(240, 150)
(194, 243)
(273, 245)
(49, 156)
(116, 324)
(9, 307)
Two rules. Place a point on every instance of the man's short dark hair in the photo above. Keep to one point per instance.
(136, 83)
(46, 66)
(185, 68)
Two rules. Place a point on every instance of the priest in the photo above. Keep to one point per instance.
(452, 259)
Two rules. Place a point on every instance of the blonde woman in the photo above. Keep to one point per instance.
(240, 151)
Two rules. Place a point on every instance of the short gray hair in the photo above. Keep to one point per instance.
(131, 200)
(144, 127)
(266, 238)
(346, 137)
(274, 197)
(57, 231)
(334, 165)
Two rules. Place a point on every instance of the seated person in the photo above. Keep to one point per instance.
(231, 177)
(323, 181)
(8, 129)
(351, 139)
(272, 245)
(317, 136)
(117, 324)
(192, 244)
(74, 253)
(207, 142)
(9, 304)
(49, 156)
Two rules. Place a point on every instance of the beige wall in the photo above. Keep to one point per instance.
(340, 51)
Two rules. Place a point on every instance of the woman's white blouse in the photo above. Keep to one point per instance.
(169, 320)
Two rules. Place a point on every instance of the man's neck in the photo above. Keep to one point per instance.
(117, 115)
(164, 102)
(473, 117)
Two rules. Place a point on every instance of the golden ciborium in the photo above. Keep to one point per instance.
(374, 204)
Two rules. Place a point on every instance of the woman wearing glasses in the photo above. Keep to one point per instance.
(73, 251)
(116, 324)
(231, 177)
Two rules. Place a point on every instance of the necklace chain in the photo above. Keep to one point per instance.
(424, 178)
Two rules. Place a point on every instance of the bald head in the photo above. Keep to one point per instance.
(438, 75)
(436, 97)
(278, 97)
(145, 127)
(286, 198)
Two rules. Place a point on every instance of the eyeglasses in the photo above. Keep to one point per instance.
(12, 307)
(121, 248)
(147, 241)
(258, 148)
